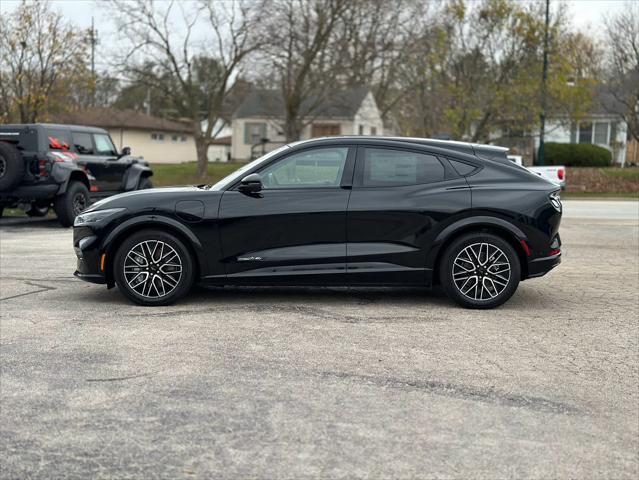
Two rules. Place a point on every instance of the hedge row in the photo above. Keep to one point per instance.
(577, 155)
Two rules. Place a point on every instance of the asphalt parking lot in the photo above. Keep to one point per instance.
(290, 383)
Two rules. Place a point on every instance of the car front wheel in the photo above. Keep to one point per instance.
(152, 267)
(70, 204)
(480, 270)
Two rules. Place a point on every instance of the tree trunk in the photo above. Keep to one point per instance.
(201, 146)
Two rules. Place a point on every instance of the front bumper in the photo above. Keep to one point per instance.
(85, 244)
(541, 266)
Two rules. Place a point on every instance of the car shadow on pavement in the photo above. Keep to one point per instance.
(30, 222)
(253, 297)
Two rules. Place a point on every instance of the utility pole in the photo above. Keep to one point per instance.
(93, 40)
(542, 132)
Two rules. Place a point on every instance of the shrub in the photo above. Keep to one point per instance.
(577, 155)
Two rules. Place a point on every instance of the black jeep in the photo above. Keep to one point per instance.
(65, 167)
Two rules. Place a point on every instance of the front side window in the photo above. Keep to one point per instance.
(394, 168)
(83, 143)
(320, 167)
(103, 144)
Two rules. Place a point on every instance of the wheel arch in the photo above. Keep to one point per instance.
(496, 226)
(117, 237)
(134, 174)
(75, 175)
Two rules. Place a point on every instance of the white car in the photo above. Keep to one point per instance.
(554, 173)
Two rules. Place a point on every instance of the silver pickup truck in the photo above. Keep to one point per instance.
(555, 173)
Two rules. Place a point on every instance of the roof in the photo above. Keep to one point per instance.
(221, 141)
(269, 103)
(606, 102)
(114, 118)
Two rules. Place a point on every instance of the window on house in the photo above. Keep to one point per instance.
(601, 133)
(373, 131)
(254, 133)
(158, 137)
(361, 129)
(394, 168)
(183, 138)
(585, 133)
(174, 138)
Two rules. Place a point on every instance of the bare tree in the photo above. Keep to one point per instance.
(622, 32)
(196, 79)
(40, 54)
(302, 55)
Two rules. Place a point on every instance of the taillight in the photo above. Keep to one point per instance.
(561, 174)
(43, 167)
(554, 251)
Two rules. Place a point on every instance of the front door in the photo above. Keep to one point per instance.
(294, 230)
(398, 203)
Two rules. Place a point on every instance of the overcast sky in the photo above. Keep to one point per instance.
(587, 15)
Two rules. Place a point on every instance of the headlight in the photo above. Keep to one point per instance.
(555, 200)
(95, 216)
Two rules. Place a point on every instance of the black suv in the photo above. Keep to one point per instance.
(334, 211)
(64, 166)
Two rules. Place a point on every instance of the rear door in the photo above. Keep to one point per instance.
(294, 230)
(400, 200)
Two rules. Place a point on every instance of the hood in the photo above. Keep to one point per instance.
(147, 198)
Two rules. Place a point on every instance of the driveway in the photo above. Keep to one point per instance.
(296, 382)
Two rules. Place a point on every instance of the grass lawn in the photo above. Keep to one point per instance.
(599, 196)
(170, 174)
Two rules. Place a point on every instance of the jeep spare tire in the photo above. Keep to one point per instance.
(11, 167)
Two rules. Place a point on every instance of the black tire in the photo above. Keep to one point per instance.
(70, 204)
(147, 281)
(461, 279)
(145, 184)
(11, 167)
(37, 210)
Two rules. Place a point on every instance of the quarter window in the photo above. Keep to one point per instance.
(393, 168)
(58, 140)
(321, 167)
(83, 143)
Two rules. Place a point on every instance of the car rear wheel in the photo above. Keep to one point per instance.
(480, 270)
(153, 267)
(70, 204)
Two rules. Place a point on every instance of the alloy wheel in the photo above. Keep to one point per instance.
(481, 271)
(152, 269)
(79, 203)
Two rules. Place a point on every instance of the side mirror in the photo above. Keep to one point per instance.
(251, 183)
(126, 151)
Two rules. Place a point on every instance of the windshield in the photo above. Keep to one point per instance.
(238, 174)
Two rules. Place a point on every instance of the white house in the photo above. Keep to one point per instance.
(602, 125)
(156, 139)
(260, 117)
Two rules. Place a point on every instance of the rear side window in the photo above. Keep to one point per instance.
(83, 143)
(394, 168)
(23, 139)
(462, 168)
(58, 140)
(103, 144)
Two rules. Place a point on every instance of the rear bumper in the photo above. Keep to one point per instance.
(32, 192)
(541, 266)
